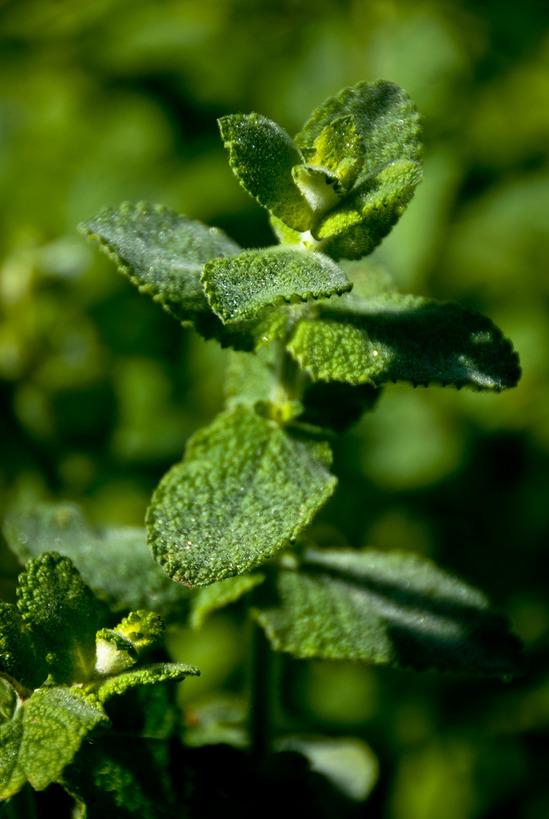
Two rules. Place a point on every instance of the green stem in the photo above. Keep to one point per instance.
(263, 687)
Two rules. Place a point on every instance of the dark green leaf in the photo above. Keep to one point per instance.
(242, 286)
(395, 337)
(17, 651)
(116, 562)
(262, 156)
(243, 491)
(61, 614)
(386, 608)
(163, 254)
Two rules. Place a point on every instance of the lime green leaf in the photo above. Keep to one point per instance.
(220, 594)
(115, 562)
(385, 168)
(386, 608)
(242, 286)
(144, 675)
(348, 763)
(117, 649)
(262, 156)
(339, 150)
(405, 338)
(55, 721)
(244, 489)
(163, 254)
(61, 613)
(382, 114)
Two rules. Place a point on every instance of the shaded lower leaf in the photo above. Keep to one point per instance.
(162, 253)
(386, 608)
(220, 594)
(244, 489)
(12, 773)
(405, 338)
(115, 562)
(242, 286)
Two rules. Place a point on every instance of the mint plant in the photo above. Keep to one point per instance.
(315, 331)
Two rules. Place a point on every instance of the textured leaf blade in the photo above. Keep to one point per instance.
(115, 562)
(388, 127)
(382, 113)
(339, 150)
(61, 613)
(354, 228)
(55, 722)
(262, 155)
(218, 595)
(405, 338)
(244, 489)
(163, 254)
(386, 608)
(152, 674)
(242, 286)
(17, 652)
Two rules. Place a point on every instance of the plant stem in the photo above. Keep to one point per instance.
(263, 687)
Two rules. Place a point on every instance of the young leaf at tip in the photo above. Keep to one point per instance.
(243, 490)
(262, 155)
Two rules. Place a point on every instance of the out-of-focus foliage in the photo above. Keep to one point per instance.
(100, 389)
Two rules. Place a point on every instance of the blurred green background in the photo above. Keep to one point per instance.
(99, 389)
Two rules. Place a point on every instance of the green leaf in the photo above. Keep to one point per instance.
(354, 228)
(387, 125)
(404, 338)
(163, 254)
(388, 608)
(61, 614)
(220, 594)
(152, 674)
(115, 562)
(339, 150)
(262, 155)
(348, 763)
(55, 722)
(242, 286)
(243, 491)
(384, 117)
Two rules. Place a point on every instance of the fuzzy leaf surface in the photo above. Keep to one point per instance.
(55, 722)
(262, 155)
(389, 159)
(163, 254)
(339, 150)
(115, 562)
(152, 674)
(217, 595)
(386, 608)
(395, 337)
(61, 614)
(244, 489)
(242, 286)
